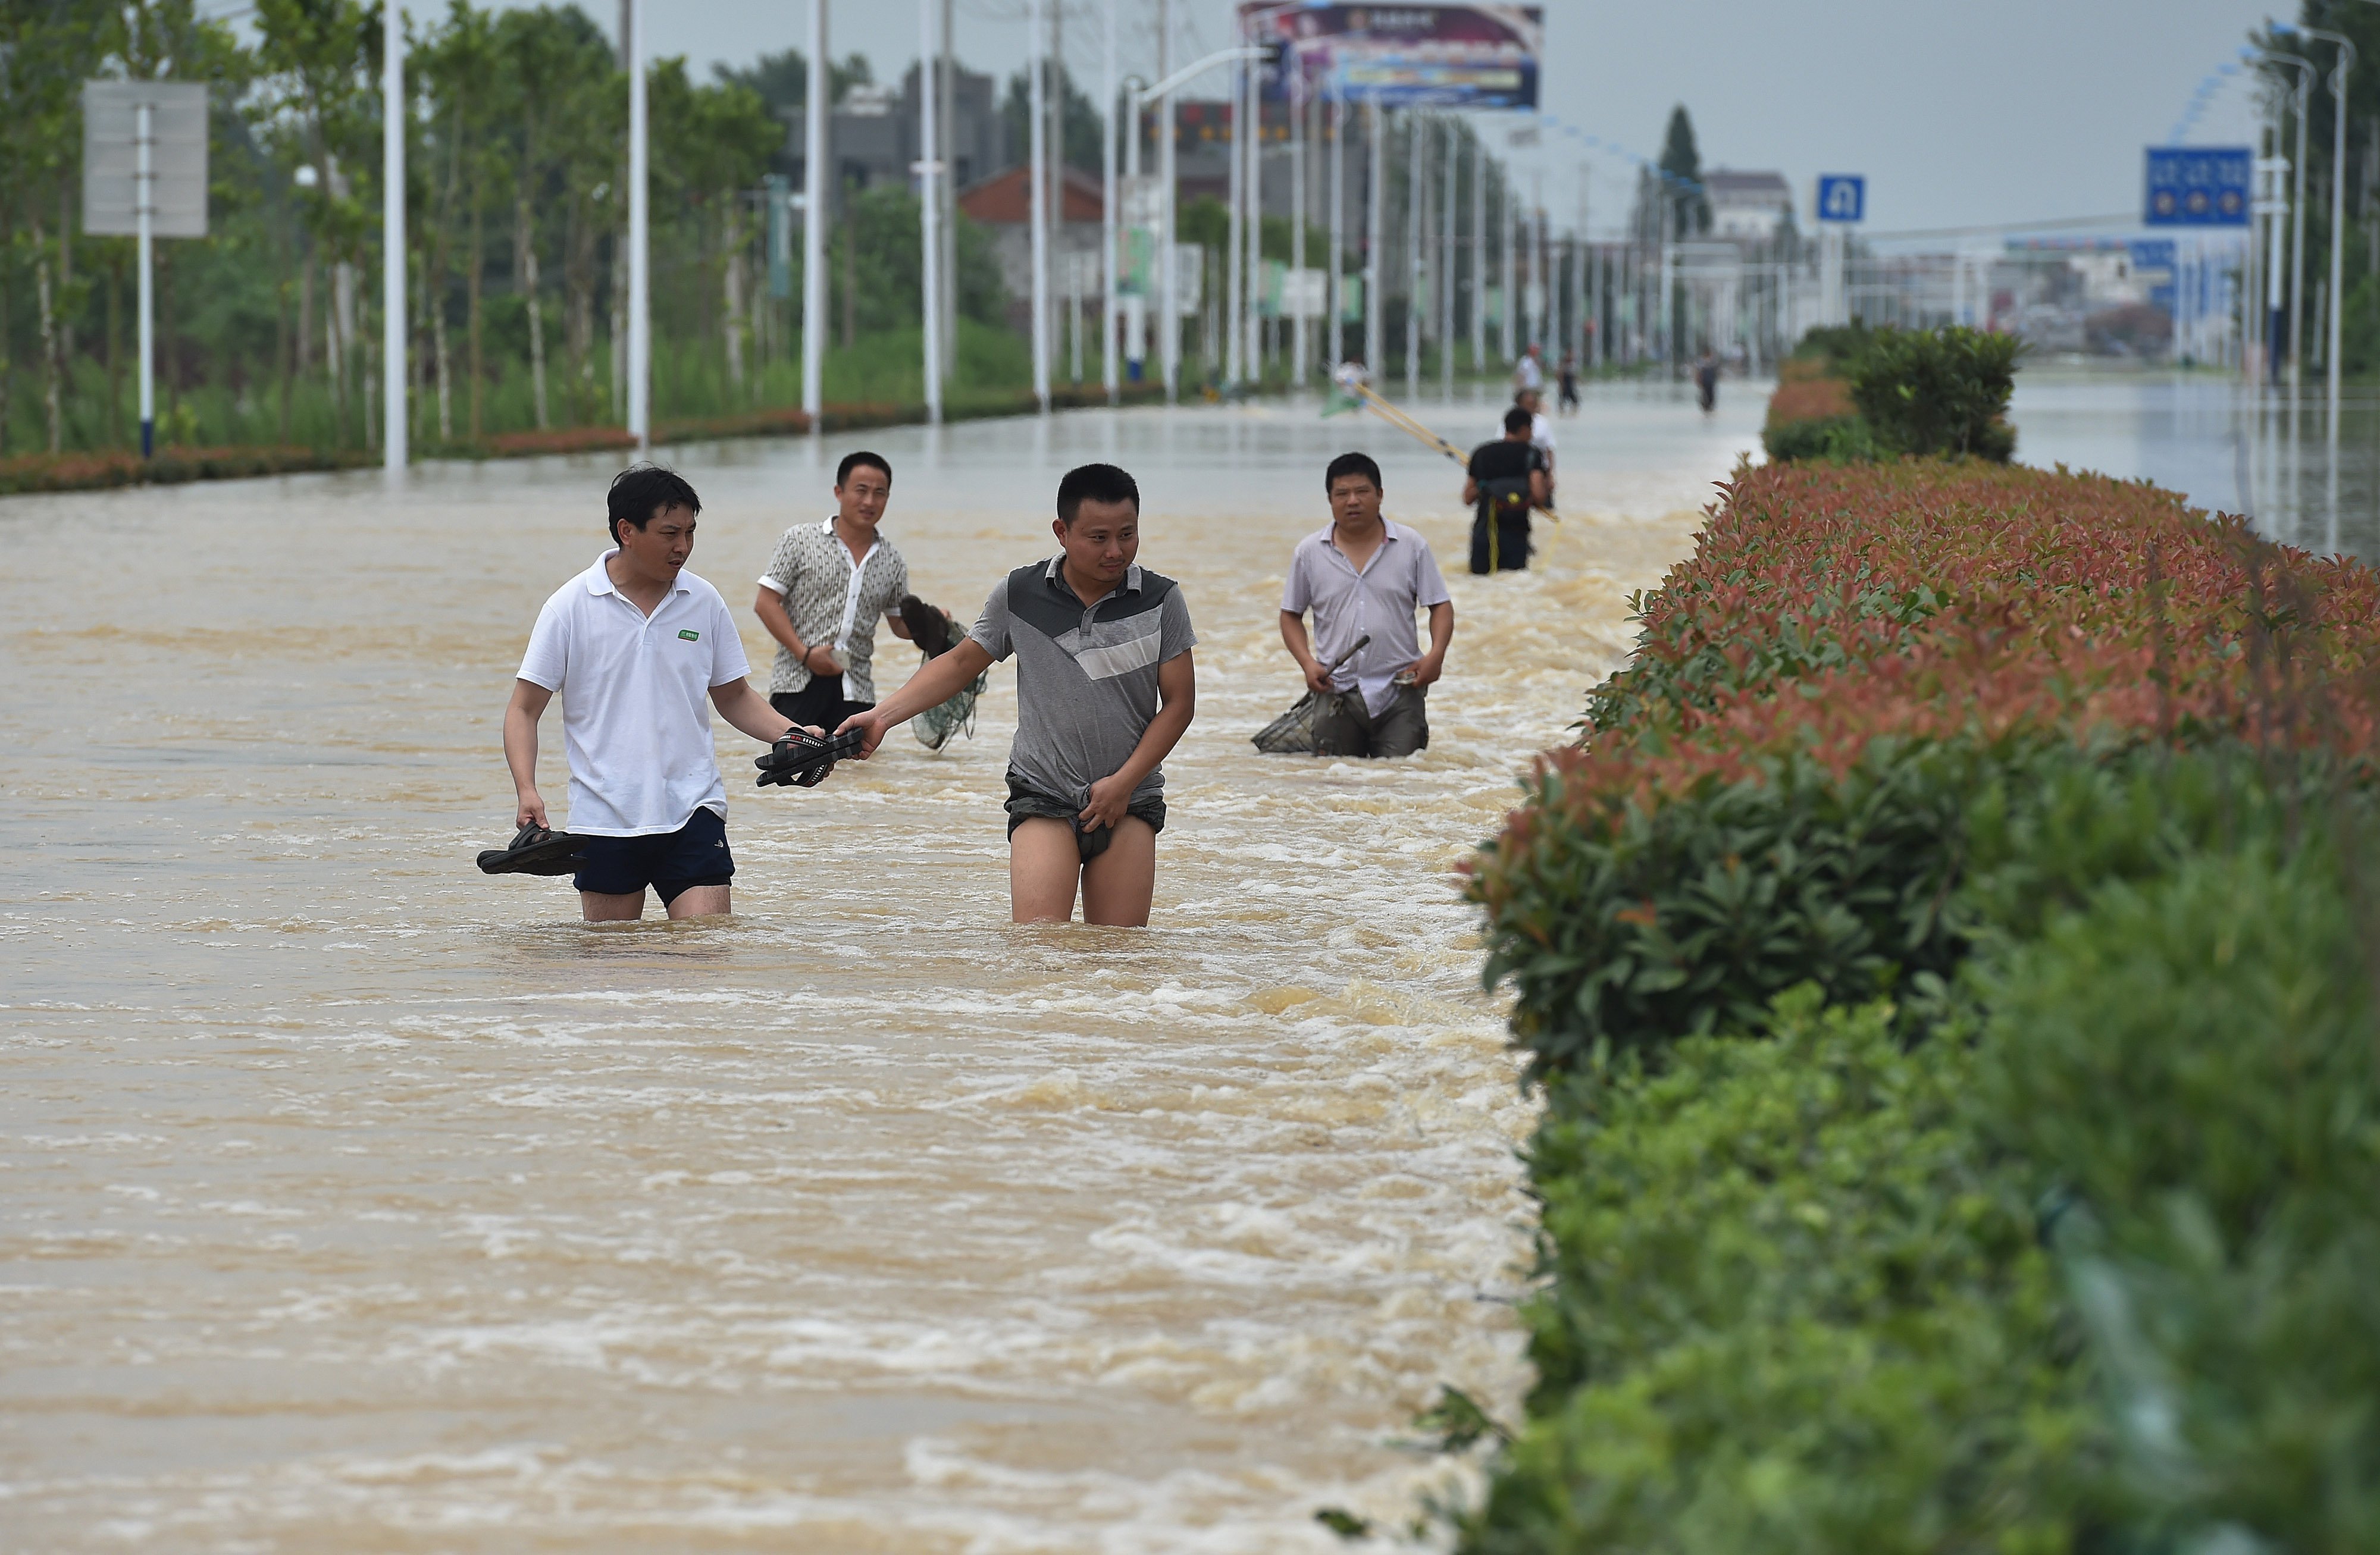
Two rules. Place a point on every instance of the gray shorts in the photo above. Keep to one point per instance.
(1347, 728)
(1031, 804)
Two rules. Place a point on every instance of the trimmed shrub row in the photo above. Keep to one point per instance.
(1854, 393)
(1948, 961)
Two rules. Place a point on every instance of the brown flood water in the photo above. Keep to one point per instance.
(356, 1202)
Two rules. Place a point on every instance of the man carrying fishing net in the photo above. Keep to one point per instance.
(1364, 577)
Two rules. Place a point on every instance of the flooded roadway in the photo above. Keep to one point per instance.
(356, 1202)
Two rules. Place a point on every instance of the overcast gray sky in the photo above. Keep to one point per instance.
(1959, 113)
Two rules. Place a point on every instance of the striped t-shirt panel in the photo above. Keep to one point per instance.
(1085, 679)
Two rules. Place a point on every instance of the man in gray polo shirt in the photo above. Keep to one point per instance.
(1365, 576)
(1104, 691)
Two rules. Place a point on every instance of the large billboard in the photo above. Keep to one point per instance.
(1420, 56)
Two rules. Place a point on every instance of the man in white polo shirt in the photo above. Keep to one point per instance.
(1365, 576)
(636, 646)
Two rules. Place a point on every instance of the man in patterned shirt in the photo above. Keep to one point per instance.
(1104, 691)
(820, 597)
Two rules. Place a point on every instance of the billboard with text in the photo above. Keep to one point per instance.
(1418, 55)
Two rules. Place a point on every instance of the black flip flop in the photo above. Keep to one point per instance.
(933, 632)
(535, 851)
(801, 759)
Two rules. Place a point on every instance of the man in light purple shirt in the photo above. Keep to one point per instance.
(1366, 576)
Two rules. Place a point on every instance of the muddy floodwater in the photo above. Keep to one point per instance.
(352, 1201)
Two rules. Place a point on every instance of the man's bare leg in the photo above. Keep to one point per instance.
(605, 906)
(1119, 883)
(1044, 863)
(699, 900)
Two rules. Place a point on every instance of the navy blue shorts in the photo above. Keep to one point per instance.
(671, 862)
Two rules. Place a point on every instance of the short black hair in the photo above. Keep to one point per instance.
(1518, 420)
(1095, 483)
(1352, 464)
(853, 461)
(640, 490)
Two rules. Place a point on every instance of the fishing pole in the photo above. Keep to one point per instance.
(1350, 378)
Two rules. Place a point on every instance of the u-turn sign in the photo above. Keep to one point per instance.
(1842, 197)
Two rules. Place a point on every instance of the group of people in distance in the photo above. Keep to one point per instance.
(641, 652)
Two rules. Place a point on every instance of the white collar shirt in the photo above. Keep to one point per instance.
(635, 698)
(1379, 600)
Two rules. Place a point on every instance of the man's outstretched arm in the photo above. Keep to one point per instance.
(749, 710)
(936, 683)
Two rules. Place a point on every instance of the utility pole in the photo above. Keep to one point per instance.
(1301, 362)
(1478, 251)
(1334, 306)
(817, 182)
(1449, 152)
(1375, 323)
(1416, 186)
(947, 152)
(1038, 206)
(640, 267)
(1168, 302)
(1109, 372)
(1235, 134)
(396, 412)
(929, 211)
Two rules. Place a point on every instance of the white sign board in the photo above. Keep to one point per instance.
(177, 157)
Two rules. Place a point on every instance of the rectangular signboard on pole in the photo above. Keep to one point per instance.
(2198, 186)
(1842, 197)
(1422, 55)
(111, 155)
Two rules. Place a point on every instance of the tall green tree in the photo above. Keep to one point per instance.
(1690, 211)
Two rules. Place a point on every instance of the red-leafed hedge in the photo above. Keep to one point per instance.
(1772, 790)
(99, 471)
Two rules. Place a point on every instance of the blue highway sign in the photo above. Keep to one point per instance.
(1842, 197)
(2199, 186)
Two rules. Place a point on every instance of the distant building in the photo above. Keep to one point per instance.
(874, 134)
(1748, 207)
(1003, 204)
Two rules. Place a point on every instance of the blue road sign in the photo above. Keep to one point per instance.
(2199, 186)
(1842, 197)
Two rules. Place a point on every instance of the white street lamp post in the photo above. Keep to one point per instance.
(817, 199)
(640, 251)
(929, 208)
(1108, 372)
(2346, 63)
(1038, 206)
(395, 420)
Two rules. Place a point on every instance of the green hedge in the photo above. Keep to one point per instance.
(1949, 965)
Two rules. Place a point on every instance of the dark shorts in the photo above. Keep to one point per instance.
(820, 704)
(1348, 727)
(1028, 804)
(671, 862)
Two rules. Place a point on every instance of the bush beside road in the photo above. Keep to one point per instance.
(1947, 962)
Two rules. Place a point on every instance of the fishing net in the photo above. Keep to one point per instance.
(1293, 733)
(939, 725)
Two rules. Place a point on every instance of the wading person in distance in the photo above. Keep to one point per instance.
(1506, 478)
(1541, 434)
(1104, 691)
(821, 597)
(637, 645)
(1363, 575)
